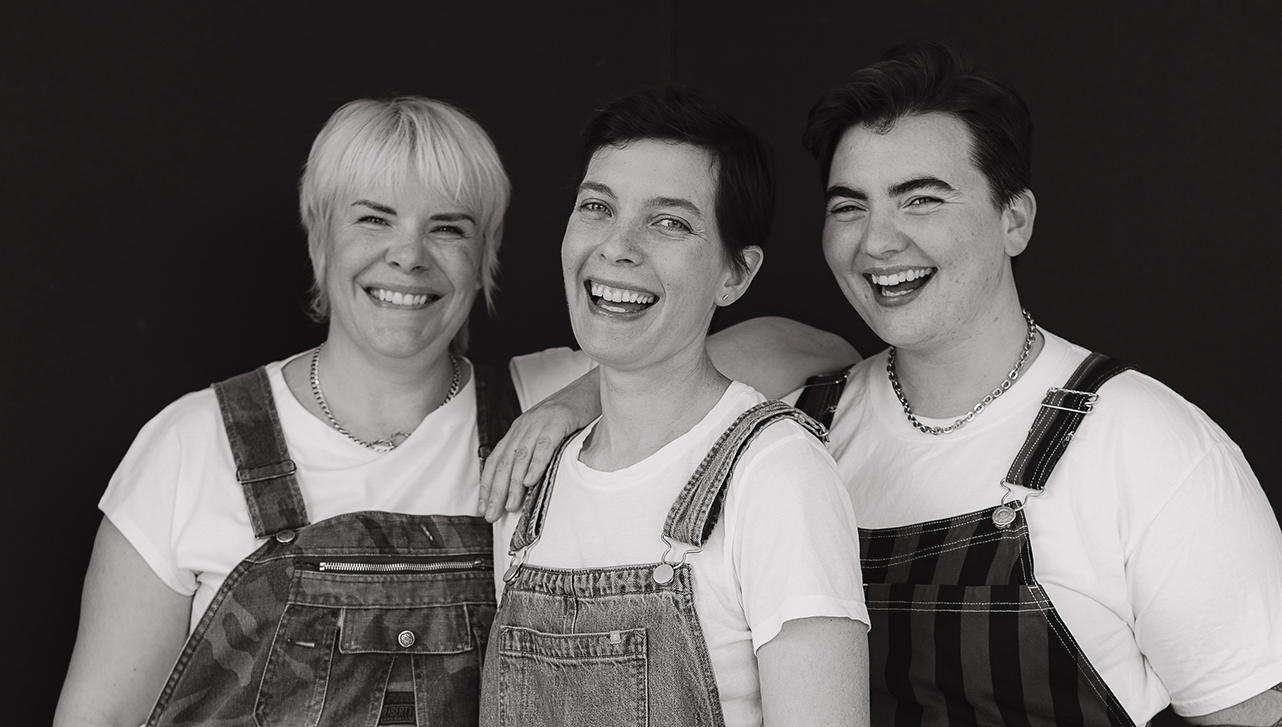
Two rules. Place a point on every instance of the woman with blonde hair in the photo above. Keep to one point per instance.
(303, 540)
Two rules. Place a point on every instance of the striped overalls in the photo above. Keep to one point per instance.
(363, 619)
(962, 633)
(599, 647)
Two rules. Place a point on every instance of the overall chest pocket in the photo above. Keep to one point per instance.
(349, 636)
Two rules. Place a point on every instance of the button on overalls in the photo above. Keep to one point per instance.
(619, 645)
(962, 633)
(366, 618)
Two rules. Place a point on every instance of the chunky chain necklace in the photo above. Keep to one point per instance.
(378, 445)
(963, 421)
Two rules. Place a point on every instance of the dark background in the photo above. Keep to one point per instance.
(149, 158)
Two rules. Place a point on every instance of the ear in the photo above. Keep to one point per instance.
(1017, 222)
(737, 281)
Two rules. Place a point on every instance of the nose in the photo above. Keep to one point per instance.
(409, 253)
(621, 246)
(882, 237)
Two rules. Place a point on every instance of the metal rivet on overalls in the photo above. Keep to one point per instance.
(406, 638)
(285, 536)
(616, 637)
(1003, 516)
(663, 574)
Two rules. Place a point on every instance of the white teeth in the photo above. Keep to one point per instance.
(620, 295)
(406, 299)
(900, 277)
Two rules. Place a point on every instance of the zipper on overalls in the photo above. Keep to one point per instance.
(437, 564)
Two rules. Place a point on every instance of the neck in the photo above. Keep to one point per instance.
(643, 410)
(948, 379)
(371, 395)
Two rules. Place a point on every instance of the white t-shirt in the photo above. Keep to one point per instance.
(1152, 538)
(786, 546)
(175, 497)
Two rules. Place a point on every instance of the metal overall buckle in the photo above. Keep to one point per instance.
(665, 571)
(1004, 515)
(518, 560)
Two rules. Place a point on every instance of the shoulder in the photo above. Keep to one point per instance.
(1136, 405)
(539, 375)
(784, 455)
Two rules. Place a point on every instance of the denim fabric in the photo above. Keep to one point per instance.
(613, 646)
(284, 643)
(599, 647)
(367, 618)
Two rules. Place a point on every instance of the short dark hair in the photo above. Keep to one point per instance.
(920, 77)
(745, 201)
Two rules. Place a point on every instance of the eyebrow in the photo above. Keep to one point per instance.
(913, 185)
(596, 187)
(677, 202)
(442, 217)
(375, 206)
(838, 190)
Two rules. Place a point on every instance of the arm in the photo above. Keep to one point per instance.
(815, 672)
(776, 355)
(132, 628)
(1264, 709)
(772, 355)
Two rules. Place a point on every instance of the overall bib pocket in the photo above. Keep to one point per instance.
(349, 639)
(542, 676)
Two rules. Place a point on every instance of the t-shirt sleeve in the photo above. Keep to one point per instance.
(141, 497)
(1206, 587)
(539, 375)
(792, 535)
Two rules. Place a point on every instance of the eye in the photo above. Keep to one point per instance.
(372, 220)
(594, 209)
(923, 202)
(845, 209)
(454, 230)
(672, 224)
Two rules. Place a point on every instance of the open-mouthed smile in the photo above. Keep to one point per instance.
(618, 300)
(401, 300)
(890, 286)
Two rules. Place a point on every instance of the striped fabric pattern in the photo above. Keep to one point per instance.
(963, 634)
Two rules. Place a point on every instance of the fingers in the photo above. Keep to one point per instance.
(494, 478)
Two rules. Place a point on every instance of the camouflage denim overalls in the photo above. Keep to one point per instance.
(367, 618)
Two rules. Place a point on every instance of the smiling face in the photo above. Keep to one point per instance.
(913, 236)
(402, 270)
(642, 257)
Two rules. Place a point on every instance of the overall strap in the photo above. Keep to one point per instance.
(821, 393)
(263, 466)
(496, 406)
(698, 507)
(535, 509)
(1062, 411)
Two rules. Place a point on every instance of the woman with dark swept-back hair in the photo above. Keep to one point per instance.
(921, 78)
(690, 556)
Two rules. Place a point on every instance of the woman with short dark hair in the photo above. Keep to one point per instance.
(691, 556)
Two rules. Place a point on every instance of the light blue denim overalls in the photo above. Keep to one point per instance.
(619, 645)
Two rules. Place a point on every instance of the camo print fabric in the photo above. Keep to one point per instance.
(287, 643)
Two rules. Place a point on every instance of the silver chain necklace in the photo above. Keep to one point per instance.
(963, 421)
(378, 445)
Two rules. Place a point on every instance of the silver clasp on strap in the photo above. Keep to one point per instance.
(665, 571)
(1004, 515)
(518, 560)
(1087, 406)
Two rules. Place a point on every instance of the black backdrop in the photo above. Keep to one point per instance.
(149, 157)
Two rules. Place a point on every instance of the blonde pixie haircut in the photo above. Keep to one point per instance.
(379, 142)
